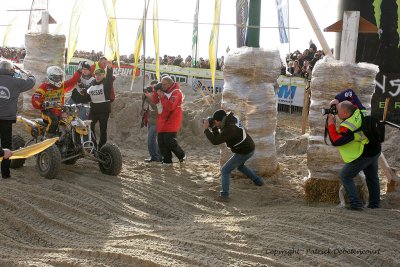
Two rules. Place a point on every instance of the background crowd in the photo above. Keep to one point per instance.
(298, 64)
(301, 64)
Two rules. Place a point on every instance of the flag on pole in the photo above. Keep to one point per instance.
(111, 49)
(7, 31)
(74, 29)
(155, 33)
(242, 13)
(138, 44)
(195, 37)
(283, 20)
(213, 45)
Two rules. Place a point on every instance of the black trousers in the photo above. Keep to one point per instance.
(167, 143)
(6, 142)
(102, 118)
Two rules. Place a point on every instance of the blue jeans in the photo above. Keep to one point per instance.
(152, 144)
(236, 162)
(369, 165)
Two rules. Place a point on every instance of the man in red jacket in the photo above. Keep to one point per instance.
(168, 99)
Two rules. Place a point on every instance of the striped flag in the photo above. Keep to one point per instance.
(283, 21)
(213, 45)
(155, 36)
(74, 29)
(111, 50)
(138, 43)
(242, 13)
(195, 37)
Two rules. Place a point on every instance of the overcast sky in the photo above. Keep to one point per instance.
(175, 36)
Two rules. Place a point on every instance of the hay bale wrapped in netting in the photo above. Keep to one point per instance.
(250, 75)
(329, 78)
(42, 50)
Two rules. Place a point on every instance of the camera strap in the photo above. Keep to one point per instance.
(326, 130)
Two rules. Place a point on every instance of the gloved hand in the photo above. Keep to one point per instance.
(80, 66)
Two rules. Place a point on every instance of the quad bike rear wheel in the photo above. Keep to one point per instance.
(17, 143)
(48, 162)
(112, 158)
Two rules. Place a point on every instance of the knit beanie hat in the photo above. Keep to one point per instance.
(219, 115)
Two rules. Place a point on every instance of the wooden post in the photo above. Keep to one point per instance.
(316, 28)
(45, 22)
(306, 105)
(385, 110)
(348, 46)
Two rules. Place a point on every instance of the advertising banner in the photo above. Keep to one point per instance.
(291, 91)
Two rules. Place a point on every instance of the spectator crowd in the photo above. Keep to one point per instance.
(15, 54)
(301, 64)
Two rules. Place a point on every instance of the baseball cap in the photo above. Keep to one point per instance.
(219, 115)
(99, 71)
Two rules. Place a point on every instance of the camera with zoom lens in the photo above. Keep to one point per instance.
(332, 110)
(210, 121)
(148, 89)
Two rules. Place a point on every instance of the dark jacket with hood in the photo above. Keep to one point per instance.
(233, 134)
(10, 88)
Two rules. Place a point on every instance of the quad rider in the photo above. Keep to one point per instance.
(49, 97)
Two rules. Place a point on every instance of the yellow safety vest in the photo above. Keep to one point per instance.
(355, 148)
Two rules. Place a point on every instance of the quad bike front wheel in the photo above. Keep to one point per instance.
(17, 143)
(111, 158)
(48, 162)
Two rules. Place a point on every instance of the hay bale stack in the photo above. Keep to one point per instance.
(42, 50)
(250, 75)
(324, 162)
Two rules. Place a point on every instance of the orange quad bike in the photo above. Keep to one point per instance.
(76, 141)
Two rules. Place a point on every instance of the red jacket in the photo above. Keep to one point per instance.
(170, 119)
(48, 92)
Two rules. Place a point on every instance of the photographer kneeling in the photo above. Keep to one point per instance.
(358, 153)
(226, 128)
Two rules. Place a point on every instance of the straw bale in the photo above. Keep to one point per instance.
(250, 75)
(322, 190)
(42, 50)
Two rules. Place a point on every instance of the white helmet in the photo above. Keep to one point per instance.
(55, 76)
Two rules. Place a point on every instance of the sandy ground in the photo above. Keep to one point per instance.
(166, 216)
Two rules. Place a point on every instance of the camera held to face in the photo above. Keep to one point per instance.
(148, 89)
(332, 110)
(210, 121)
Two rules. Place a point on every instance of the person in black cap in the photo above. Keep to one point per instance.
(226, 128)
(83, 84)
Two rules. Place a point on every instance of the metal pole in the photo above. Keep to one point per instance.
(144, 42)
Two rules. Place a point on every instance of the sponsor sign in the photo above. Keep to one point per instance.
(291, 91)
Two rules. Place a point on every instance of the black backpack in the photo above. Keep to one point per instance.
(373, 128)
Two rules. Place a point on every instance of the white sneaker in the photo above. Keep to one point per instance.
(183, 160)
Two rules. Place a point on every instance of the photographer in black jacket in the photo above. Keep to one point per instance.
(10, 89)
(226, 128)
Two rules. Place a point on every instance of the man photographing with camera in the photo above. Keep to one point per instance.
(226, 128)
(358, 153)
